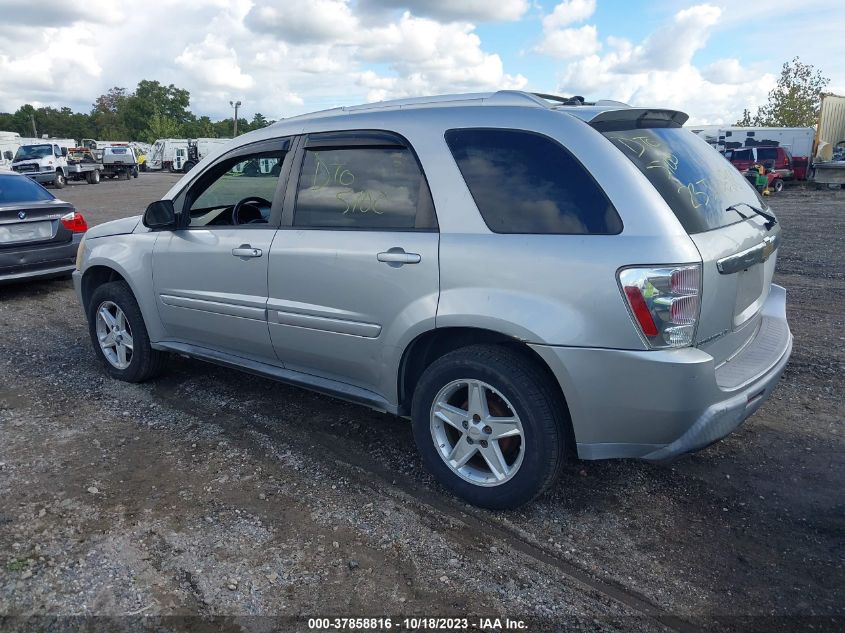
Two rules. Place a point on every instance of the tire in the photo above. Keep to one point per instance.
(135, 172)
(144, 362)
(188, 166)
(515, 382)
(777, 185)
(93, 177)
(60, 181)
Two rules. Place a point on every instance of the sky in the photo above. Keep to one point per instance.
(286, 57)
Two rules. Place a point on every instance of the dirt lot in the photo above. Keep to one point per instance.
(214, 493)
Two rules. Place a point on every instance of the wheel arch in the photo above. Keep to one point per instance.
(434, 343)
(94, 277)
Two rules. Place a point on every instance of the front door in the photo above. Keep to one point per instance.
(358, 265)
(210, 277)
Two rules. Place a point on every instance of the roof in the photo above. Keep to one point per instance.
(573, 105)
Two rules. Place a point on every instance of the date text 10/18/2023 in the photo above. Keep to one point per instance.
(416, 624)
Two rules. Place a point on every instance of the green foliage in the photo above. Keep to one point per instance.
(152, 111)
(793, 102)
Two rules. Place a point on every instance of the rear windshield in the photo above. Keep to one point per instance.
(14, 189)
(693, 178)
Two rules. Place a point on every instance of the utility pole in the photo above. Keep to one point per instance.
(235, 105)
(34, 131)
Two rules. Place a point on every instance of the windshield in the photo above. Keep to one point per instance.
(26, 152)
(14, 189)
(693, 178)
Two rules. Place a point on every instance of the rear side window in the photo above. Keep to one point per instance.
(767, 153)
(692, 177)
(524, 182)
(365, 188)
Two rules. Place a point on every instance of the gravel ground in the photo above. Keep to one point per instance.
(218, 494)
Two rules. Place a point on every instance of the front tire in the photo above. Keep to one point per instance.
(490, 425)
(60, 181)
(777, 185)
(119, 335)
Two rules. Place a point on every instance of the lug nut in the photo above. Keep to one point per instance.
(488, 430)
(469, 440)
(476, 418)
(466, 424)
(483, 443)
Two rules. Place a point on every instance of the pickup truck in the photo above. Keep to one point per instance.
(119, 162)
(47, 163)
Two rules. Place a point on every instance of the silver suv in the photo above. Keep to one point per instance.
(528, 278)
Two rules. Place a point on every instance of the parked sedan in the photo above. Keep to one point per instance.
(39, 235)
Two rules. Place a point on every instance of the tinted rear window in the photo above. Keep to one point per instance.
(14, 189)
(767, 153)
(527, 183)
(693, 178)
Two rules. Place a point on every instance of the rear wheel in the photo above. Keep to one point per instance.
(93, 177)
(489, 426)
(60, 181)
(119, 335)
(188, 166)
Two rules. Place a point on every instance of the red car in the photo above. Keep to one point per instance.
(777, 159)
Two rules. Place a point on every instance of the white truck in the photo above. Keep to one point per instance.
(9, 144)
(829, 156)
(163, 154)
(47, 163)
(181, 154)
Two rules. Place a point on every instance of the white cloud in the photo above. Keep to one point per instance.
(674, 44)
(304, 20)
(448, 10)
(660, 71)
(215, 64)
(569, 12)
(569, 43)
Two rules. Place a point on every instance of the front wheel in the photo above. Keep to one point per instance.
(119, 335)
(60, 181)
(490, 425)
(777, 185)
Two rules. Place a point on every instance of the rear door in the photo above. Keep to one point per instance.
(210, 277)
(29, 221)
(357, 264)
(738, 247)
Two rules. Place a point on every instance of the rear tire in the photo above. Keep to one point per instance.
(144, 362)
(60, 181)
(514, 387)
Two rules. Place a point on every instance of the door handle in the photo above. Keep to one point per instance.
(397, 257)
(245, 250)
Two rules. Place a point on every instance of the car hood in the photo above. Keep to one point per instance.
(115, 227)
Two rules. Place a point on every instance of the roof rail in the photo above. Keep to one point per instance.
(498, 98)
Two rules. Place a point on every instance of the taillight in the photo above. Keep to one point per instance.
(74, 221)
(665, 302)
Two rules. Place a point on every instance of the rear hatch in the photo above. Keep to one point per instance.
(711, 200)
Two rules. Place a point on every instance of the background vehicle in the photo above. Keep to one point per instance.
(46, 163)
(519, 274)
(119, 162)
(199, 148)
(9, 144)
(39, 235)
(163, 154)
(776, 160)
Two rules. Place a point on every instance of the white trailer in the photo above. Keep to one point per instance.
(798, 140)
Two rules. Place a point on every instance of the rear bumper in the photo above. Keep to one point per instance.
(657, 405)
(31, 262)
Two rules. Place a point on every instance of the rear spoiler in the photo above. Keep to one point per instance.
(634, 118)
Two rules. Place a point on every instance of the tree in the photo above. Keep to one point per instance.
(794, 101)
(161, 126)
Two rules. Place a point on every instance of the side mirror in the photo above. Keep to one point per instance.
(64, 151)
(8, 155)
(160, 215)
